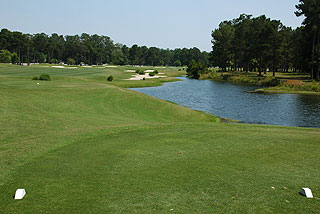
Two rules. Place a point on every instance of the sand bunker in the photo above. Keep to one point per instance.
(149, 71)
(146, 76)
(111, 66)
(130, 71)
(60, 66)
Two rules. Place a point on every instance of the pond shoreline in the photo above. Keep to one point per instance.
(261, 82)
(232, 103)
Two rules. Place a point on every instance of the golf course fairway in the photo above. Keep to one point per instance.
(81, 144)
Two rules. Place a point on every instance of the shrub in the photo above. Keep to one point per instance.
(152, 74)
(271, 82)
(226, 76)
(156, 72)
(35, 78)
(71, 61)
(140, 72)
(44, 77)
(110, 78)
(54, 61)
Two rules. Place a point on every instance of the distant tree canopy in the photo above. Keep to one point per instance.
(259, 44)
(89, 49)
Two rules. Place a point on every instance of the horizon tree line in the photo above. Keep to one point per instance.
(17, 47)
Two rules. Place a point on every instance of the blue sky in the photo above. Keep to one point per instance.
(163, 23)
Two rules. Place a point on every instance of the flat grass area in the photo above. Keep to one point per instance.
(80, 144)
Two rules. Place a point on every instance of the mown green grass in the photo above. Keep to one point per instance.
(79, 144)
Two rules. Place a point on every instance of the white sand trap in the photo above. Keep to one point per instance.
(150, 77)
(146, 76)
(130, 71)
(149, 71)
(111, 66)
(86, 66)
(60, 66)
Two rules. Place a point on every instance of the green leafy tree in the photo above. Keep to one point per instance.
(311, 10)
(177, 63)
(71, 61)
(5, 56)
(195, 69)
(14, 58)
(222, 44)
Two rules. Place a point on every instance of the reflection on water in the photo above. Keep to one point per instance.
(231, 101)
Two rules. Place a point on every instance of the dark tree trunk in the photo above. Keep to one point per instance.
(318, 63)
(312, 55)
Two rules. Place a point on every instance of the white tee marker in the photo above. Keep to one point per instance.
(20, 193)
(306, 192)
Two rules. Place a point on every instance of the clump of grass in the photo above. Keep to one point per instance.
(35, 78)
(152, 74)
(244, 79)
(297, 85)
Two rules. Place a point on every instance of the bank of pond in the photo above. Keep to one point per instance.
(228, 100)
(298, 83)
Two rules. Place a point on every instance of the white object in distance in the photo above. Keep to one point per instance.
(306, 192)
(20, 193)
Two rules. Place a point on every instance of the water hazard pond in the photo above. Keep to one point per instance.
(232, 101)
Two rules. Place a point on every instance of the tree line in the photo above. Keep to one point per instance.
(260, 44)
(17, 47)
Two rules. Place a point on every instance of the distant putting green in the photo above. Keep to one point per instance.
(81, 144)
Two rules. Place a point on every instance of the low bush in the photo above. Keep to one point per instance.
(270, 82)
(140, 72)
(226, 76)
(45, 77)
(110, 78)
(152, 74)
(156, 72)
